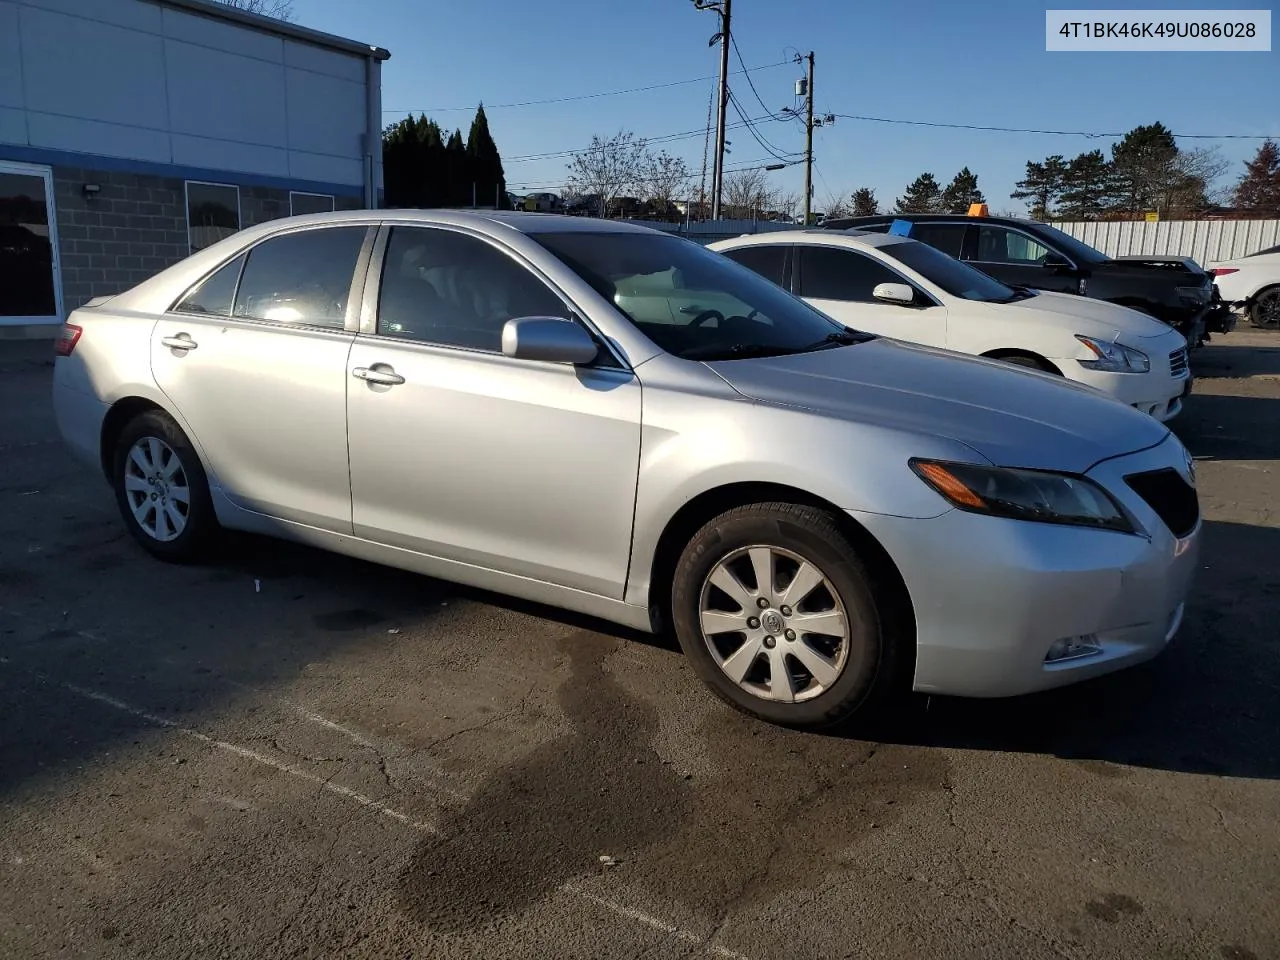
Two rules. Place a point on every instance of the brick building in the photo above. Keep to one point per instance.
(134, 132)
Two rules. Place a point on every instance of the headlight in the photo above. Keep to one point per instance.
(1112, 357)
(1036, 495)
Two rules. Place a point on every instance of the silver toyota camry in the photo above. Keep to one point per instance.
(620, 422)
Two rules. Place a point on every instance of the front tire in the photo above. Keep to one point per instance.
(775, 610)
(162, 490)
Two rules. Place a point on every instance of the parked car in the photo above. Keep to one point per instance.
(901, 288)
(1252, 282)
(543, 406)
(1175, 290)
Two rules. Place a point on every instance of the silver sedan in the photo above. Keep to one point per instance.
(620, 422)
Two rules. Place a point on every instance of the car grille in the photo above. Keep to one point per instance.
(1171, 497)
(1178, 362)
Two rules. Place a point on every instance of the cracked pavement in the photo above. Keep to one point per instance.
(291, 754)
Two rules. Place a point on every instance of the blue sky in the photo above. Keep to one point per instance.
(934, 60)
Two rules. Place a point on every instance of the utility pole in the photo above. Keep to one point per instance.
(722, 7)
(808, 145)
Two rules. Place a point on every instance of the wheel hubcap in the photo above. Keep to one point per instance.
(1269, 310)
(774, 624)
(156, 487)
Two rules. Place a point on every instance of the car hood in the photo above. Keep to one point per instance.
(1013, 416)
(1093, 318)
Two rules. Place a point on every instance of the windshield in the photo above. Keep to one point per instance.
(690, 301)
(1076, 249)
(956, 278)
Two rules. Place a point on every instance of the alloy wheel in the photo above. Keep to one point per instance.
(774, 624)
(156, 486)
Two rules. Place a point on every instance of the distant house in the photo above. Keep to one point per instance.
(542, 203)
(135, 132)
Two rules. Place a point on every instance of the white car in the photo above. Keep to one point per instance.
(906, 290)
(1255, 278)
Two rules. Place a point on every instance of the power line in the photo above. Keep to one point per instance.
(662, 138)
(586, 96)
(759, 164)
(777, 152)
(747, 73)
(1059, 133)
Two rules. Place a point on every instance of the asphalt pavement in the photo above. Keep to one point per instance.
(289, 754)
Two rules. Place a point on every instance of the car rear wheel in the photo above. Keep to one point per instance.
(162, 490)
(775, 611)
(1265, 311)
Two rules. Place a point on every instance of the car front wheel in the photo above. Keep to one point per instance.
(162, 490)
(776, 612)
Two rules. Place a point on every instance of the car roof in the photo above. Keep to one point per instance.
(520, 220)
(842, 222)
(851, 238)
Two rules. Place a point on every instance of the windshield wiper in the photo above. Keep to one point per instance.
(842, 338)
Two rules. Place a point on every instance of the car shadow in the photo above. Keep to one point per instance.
(1224, 357)
(1217, 427)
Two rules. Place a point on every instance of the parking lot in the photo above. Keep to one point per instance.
(293, 754)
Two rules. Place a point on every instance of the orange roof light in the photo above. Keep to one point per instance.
(978, 210)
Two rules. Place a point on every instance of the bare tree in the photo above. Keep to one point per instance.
(747, 194)
(788, 204)
(277, 9)
(1195, 180)
(608, 168)
(664, 179)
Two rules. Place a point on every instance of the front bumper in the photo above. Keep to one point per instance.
(991, 596)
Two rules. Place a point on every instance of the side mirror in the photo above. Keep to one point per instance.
(550, 339)
(895, 293)
(1055, 261)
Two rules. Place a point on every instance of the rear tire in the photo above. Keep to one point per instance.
(161, 489)
(1265, 312)
(759, 647)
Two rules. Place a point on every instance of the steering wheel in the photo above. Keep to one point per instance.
(706, 315)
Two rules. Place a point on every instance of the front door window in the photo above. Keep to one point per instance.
(28, 262)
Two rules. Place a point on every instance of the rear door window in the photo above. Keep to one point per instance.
(947, 237)
(303, 277)
(768, 260)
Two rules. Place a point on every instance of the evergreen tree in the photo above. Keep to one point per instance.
(485, 163)
(1088, 187)
(922, 196)
(1144, 166)
(961, 192)
(457, 173)
(864, 202)
(1043, 186)
(1258, 190)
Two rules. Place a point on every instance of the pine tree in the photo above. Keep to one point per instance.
(1258, 190)
(922, 196)
(1043, 186)
(1088, 187)
(457, 174)
(864, 202)
(485, 163)
(961, 192)
(1144, 167)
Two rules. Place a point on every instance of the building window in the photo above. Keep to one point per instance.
(213, 213)
(300, 203)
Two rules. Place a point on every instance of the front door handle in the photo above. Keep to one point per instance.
(384, 376)
(181, 342)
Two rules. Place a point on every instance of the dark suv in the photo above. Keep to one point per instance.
(1030, 254)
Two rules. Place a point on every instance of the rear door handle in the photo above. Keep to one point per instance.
(181, 342)
(385, 376)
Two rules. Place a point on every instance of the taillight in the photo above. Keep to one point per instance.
(67, 339)
(1223, 271)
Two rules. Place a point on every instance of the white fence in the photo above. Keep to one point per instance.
(1205, 241)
